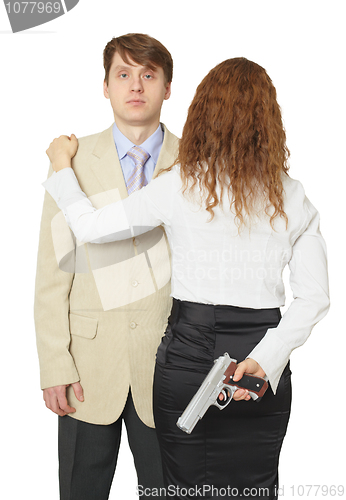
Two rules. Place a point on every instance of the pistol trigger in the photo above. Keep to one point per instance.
(227, 394)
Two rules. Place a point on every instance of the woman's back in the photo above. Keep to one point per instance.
(213, 260)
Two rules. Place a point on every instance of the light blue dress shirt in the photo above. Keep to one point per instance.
(152, 146)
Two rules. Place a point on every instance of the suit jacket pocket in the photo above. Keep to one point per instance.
(82, 326)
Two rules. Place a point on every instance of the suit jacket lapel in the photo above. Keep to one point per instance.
(107, 166)
(168, 152)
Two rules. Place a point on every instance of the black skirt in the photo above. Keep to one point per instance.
(233, 453)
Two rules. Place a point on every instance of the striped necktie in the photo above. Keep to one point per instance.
(137, 178)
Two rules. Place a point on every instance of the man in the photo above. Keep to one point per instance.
(101, 310)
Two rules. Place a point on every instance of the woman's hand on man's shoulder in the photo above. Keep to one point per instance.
(61, 151)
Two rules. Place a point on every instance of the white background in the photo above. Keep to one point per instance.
(51, 84)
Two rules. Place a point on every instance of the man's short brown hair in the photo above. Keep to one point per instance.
(143, 50)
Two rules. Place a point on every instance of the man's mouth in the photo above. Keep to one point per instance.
(136, 102)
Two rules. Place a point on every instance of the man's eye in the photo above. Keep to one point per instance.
(148, 77)
(123, 75)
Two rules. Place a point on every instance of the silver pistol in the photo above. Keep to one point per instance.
(219, 381)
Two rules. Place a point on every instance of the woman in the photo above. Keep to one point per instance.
(234, 219)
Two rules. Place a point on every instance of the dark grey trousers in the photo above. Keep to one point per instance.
(88, 456)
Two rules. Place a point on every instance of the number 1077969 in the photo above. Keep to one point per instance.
(33, 7)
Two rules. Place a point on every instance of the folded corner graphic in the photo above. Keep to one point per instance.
(26, 15)
(70, 4)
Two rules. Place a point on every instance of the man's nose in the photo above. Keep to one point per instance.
(137, 85)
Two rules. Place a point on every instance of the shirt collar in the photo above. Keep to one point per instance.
(152, 145)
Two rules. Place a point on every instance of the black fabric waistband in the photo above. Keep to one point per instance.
(210, 314)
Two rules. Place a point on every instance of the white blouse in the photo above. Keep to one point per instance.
(213, 262)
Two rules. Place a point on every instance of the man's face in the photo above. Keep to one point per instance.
(136, 93)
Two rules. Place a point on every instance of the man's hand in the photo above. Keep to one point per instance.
(251, 367)
(61, 151)
(55, 398)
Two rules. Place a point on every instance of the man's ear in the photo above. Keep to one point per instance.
(105, 89)
(168, 91)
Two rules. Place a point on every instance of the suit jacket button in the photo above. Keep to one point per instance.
(133, 325)
(135, 283)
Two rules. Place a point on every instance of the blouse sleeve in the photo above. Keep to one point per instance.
(309, 283)
(132, 216)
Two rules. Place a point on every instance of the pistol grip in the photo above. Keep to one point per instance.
(255, 385)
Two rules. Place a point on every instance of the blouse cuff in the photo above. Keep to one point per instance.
(271, 347)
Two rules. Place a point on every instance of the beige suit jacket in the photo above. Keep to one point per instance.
(101, 310)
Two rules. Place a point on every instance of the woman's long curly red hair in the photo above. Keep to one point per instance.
(234, 137)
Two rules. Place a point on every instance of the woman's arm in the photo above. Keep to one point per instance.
(309, 283)
(89, 225)
(132, 216)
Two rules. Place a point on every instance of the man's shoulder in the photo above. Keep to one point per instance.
(170, 144)
(91, 148)
(170, 137)
(88, 142)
